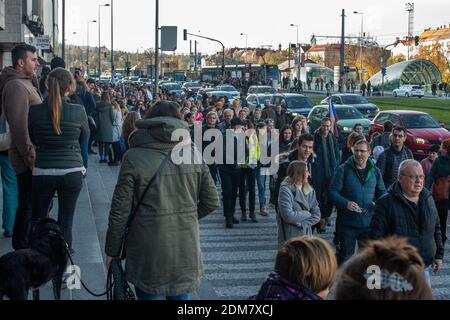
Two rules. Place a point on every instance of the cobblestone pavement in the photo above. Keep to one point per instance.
(236, 260)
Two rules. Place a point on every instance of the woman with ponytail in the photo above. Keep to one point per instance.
(57, 129)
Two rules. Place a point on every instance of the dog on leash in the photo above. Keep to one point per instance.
(45, 260)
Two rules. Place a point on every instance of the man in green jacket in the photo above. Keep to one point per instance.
(163, 243)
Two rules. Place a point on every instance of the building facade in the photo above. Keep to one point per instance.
(33, 22)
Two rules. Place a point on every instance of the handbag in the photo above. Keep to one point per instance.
(441, 188)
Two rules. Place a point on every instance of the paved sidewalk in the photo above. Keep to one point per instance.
(236, 260)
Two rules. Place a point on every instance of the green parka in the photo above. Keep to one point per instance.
(163, 243)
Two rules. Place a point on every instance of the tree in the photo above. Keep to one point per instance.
(435, 54)
(395, 59)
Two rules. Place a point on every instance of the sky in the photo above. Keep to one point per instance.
(266, 22)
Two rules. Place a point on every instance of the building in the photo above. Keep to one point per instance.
(428, 37)
(421, 72)
(325, 54)
(33, 22)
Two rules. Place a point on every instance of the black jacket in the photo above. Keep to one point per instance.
(394, 215)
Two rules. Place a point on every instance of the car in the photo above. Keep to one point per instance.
(294, 103)
(205, 90)
(227, 87)
(369, 110)
(409, 91)
(231, 96)
(173, 88)
(191, 88)
(423, 130)
(144, 81)
(257, 100)
(261, 89)
(347, 117)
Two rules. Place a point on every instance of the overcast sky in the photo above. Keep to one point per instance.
(266, 22)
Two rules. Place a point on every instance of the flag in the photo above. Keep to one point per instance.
(334, 119)
(124, 94)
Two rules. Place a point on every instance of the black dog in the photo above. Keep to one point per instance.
(45, 260)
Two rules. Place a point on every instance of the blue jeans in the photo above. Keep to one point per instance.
(261, 180)
(10, 193)
(141, 295)
(427, 275)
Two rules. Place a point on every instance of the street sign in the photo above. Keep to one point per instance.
(168, 38)
(42, 43)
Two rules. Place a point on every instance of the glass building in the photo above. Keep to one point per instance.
(421, 72)
(313, 71)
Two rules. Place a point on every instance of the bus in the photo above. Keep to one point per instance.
(256, 72)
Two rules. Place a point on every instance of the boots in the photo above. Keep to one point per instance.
(229, 222)
(244, 216)
(253, 217)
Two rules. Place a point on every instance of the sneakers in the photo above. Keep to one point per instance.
(264, 212)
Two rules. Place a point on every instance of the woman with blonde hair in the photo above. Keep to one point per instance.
(305, 269)
(57, 129)
(298, 207)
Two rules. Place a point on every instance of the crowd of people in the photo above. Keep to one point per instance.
(378, 190)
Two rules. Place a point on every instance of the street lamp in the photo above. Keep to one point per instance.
(297, 46)
(87, 57)
(244, 34)
(69, 58)
(360, 46)
(99, 45)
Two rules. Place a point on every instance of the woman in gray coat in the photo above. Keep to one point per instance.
(298, 206)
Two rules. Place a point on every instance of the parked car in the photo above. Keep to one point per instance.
(261, 90)
(257, 100)
(369, 110)
(227, 87)
(423, 130)
(191, 88)
(347, 116)
(231, 96)
(294, 103)
(409, 91)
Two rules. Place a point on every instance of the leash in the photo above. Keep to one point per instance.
(109, 281)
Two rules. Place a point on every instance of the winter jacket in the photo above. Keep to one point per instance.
(58, 151)
(18, 93)
(394, 215)
(278, 288)
(117, 125)
(298, 211)
(389, 162)
(163, 242)
(325, 173)
(381, 140)
(106, 120)
(347, 185)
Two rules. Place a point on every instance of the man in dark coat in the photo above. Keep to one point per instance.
(408, 211)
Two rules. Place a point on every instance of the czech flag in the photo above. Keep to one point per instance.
(334, 119)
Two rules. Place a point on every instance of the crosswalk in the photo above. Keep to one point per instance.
(238, 260)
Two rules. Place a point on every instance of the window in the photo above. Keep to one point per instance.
(394, 119)
(353, 100)
(382, 118)
(349, 113)
(419, 121)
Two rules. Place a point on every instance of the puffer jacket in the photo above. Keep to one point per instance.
(58, 151)
(393, 215)
(298, 212)
(19, 92)
(347, 185)
(163, 242)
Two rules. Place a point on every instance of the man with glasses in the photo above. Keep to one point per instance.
(354, 189)
(408, 211)
(389, 161)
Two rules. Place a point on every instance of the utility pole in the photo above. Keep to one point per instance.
(410, 8)
(63, 48)
(342, 54)
(195, 55)
(156, 49)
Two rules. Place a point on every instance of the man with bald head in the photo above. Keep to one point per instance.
(408, 211)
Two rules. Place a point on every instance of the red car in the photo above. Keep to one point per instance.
(423, 130)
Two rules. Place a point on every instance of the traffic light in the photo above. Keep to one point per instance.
(346, 69)
(184, 34)
(383, 71)
(293, 46)
(416, 40)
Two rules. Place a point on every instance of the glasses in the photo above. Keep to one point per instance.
(415, 178)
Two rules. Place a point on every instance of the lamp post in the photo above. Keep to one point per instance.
(87, 56)
(69, 58)
(244, 34)
(113, 70)
(360, 46)
(298, 53)
(99, 45)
